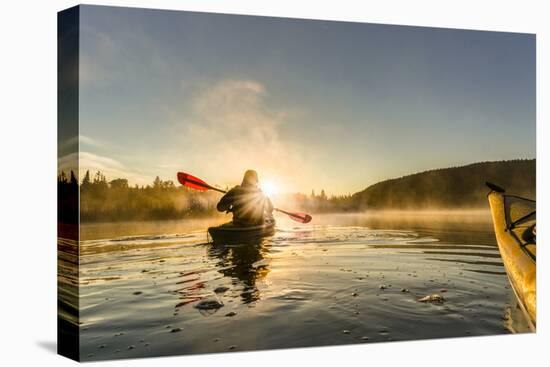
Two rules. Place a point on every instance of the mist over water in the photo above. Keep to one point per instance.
(345, 278)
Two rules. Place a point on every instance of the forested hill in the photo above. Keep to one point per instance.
(456, 187)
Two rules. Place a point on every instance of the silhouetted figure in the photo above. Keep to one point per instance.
(247, 202)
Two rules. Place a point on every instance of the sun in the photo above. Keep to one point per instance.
(269, 188)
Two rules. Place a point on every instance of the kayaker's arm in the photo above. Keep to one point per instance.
(226, 202)
(268, 207)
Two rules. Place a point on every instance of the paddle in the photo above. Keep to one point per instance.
(196, 183)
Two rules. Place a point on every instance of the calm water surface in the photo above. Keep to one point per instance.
(341, 279)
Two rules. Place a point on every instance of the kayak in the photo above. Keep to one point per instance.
(514, 220)
(231, 233)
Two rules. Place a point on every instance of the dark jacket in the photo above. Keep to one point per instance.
(248, 203)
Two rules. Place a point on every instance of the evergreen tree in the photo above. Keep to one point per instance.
(119, 184)
(73, 180)
(86, 182)
(62, 178)
(157, 184)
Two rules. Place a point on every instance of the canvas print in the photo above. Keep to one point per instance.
(233, 183)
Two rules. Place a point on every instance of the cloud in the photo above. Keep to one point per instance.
(101, 163)
(228, 127)
(68, 163)
(86, 141)
(81, 162)
(233, 126)
(110, 167)
(73, 143)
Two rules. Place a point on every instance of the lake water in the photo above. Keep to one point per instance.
(342, 279)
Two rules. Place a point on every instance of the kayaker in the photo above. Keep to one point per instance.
(249, 205)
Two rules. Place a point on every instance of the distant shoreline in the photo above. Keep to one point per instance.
(121, 229)
(97, 200)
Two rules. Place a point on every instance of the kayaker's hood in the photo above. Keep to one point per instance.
(250, 178)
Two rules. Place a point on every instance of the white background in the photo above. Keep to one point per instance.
(28, 181)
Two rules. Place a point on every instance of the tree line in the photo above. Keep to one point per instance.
(321, 203)
(115, 200)
(448, 188)
(103, 200)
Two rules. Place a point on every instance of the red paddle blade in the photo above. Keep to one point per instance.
(299, 217)
(192, 182)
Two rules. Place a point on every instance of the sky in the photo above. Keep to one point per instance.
(309, 104)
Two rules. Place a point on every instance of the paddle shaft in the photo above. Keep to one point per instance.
(195, 182)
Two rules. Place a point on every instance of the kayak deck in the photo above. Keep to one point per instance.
(514, 220)
(231, 233)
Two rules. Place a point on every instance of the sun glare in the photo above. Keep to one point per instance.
(269, 188)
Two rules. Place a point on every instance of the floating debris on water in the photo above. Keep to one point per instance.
(354, 294)
(364, 338)
(346, 331)
(231, 347)
(175, 330)
(433, 298)
(102, 346)
(230, 314)
(209, 304)
(221, 289)
(131, 346)
(137, 293)
(383, 287)
(405, 290)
